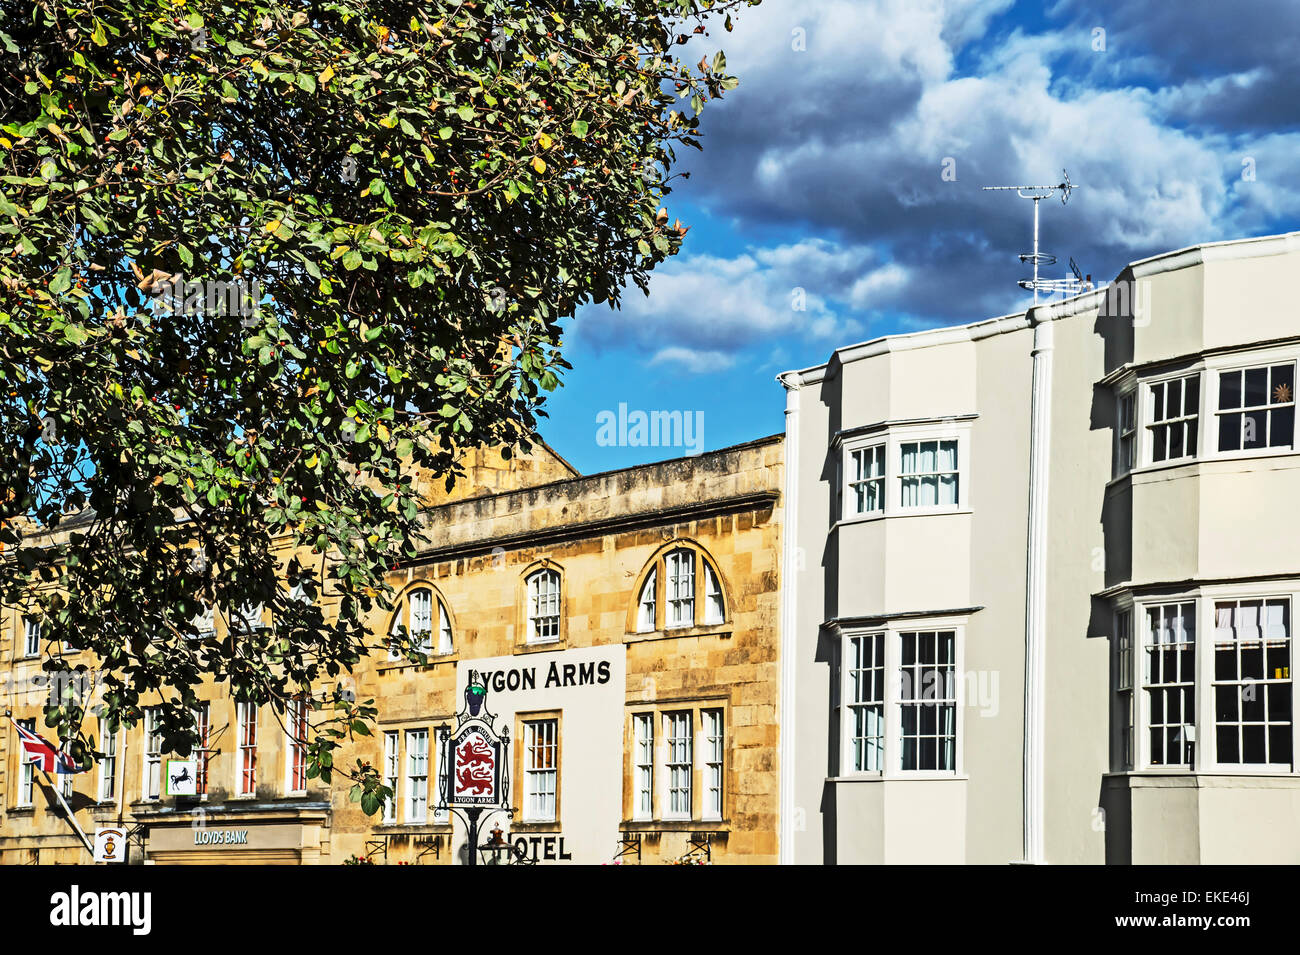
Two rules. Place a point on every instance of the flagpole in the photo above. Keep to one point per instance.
(68, 809)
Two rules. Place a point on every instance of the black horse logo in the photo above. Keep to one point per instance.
(182, 777)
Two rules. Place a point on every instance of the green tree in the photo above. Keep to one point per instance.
(258, 261)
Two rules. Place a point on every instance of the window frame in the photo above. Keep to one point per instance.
(411, 815)
(297, 721)
(532, 606)
(440, 624)
(1127, 417)
(151, 759)
(26, 769)
(709, 602)
(31, 627)
(1241, 365)
(892, 437)
(1205, 759)
(892, 748)
(245, 751)
(1145, 416)
(107, 765)
(656, 715)
(392, 774)
(528, 775)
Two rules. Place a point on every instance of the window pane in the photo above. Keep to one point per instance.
(1256, 387)
(1230, 432)
(1230, 389)
(1281, 428)
(1192, 396)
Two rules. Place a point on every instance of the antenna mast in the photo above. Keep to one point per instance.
(1069, 285)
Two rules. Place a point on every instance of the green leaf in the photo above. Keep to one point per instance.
(579, 128)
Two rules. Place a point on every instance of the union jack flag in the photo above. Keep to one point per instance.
(36, 750)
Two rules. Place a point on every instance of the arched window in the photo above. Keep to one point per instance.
(544, 607)
(419, 609)
(645, 620)
(680, 589)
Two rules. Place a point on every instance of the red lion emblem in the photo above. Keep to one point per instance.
(475, 761)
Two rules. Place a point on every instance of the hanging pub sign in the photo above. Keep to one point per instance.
(475, 768)
(476, 775)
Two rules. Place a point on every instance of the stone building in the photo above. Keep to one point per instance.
(625, 624)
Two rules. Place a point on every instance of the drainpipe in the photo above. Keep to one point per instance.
(1035, 715)
(785, 704)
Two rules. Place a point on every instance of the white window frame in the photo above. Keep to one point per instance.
(550, 600)
(295, 751)
(106, 785)
(541, 783)
(31, 637)
(151, 755)
(892, 438)
(713, 750)
(647, 602)
(25, 797)
(1205, 750)
(892, 743)
(1127, 416)
(679, 758)
(1124, 652)
(416, 777)
(857, 485)
(1240, 367)
(245, 720)
(643, 769)
(1261, 687)
(392, 773)
(679, 611)
(715, 604)
(1149, 425)
(1147, 685)
(202, 755)
(871, 700)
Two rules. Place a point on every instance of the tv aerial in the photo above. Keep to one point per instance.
(1074, 283)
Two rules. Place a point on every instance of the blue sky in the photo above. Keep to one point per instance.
(822, 173)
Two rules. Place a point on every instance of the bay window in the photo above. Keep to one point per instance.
(928, 474)
(1174, 418)
(1126, 427)
(1222, 703)
(1257, 407)
(867, 479)
(1169, 682)
(1252, 681)
(910, 468)
(901, 714)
